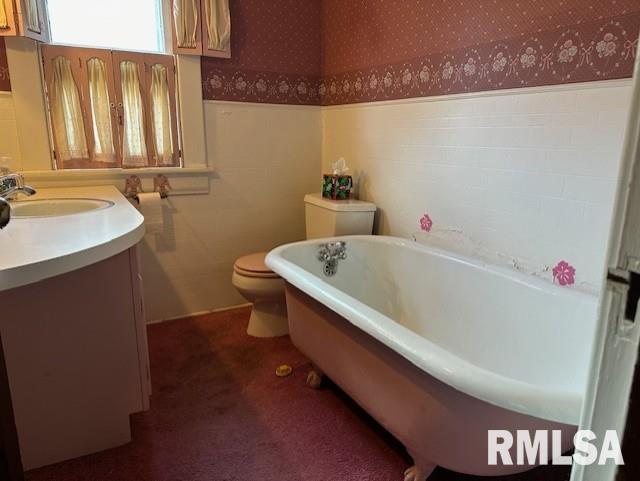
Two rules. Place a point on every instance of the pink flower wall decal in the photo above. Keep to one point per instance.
(564, 273)
(426, 223)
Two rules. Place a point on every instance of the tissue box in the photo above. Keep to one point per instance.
(337, 187)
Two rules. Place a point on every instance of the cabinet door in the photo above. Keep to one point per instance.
(141, 327)
(161, 93)
(32, 19)
(186, 27)
(7, 18)
(130, 77)
(216, 28)
(98, 90)
(63, 80)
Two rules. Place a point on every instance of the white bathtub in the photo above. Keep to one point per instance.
(439, 348)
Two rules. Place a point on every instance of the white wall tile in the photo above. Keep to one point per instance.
(265, 159)
(9, 145)
(530, 173)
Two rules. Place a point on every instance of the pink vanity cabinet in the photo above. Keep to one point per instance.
(77, 359)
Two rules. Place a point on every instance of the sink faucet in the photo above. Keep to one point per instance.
(13, 184)
(329, 254)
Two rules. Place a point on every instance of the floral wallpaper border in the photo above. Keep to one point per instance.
(250, 86)
(600, 50)
(595, 51)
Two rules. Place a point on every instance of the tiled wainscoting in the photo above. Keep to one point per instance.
(265, 158)
(529, 173)
(9, 146)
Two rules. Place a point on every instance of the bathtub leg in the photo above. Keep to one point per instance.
(419, 472)
(314, 378)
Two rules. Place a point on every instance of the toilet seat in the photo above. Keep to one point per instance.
(255, 275)
(254, 266)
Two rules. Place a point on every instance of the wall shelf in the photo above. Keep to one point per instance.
(184, 181)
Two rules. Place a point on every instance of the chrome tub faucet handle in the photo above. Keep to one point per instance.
(329, 254)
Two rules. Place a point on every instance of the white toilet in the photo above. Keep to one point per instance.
(265, 289)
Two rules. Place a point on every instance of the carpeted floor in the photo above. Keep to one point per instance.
(218, 413)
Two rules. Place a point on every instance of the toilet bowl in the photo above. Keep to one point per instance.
(265, 289)
(261, 286)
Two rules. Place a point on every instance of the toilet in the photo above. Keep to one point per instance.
(265, 289)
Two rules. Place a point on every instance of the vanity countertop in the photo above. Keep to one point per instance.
(37, 248)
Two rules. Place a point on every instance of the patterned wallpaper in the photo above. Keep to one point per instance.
(343, 51)
(5, 84)
(275, 54)
(403, 48)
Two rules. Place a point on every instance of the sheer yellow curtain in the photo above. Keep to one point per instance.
(104, 150)
(33, 16)
(218, 24)
(134, 149)
(66, 113)
(161, 115)
(4, 22)
(185, 15)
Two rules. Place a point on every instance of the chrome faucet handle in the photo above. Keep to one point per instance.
(323, 253)
(12, 185)
(17, 178)
(329, 254)
(340, 249)
(10, 181)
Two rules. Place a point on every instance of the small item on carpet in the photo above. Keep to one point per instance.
(284, 370)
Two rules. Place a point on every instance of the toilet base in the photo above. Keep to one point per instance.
(268, 319)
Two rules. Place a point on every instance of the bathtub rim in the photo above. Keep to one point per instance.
(545, 402)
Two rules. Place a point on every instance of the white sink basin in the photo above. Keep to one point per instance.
(56, 207)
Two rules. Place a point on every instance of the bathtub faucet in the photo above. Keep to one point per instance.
(329, 254)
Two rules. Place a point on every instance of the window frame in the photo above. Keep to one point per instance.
(163, 33)
(80, 57)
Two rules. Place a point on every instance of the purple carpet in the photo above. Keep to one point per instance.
(218, 413)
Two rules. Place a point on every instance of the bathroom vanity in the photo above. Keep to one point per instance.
(72, 322)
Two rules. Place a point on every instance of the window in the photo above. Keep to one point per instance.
(111, 108)
(115, 24)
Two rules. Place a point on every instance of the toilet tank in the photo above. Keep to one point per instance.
(328, 218)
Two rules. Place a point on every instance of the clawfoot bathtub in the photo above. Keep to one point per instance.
(440, 348)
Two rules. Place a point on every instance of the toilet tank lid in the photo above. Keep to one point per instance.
(351, 205)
